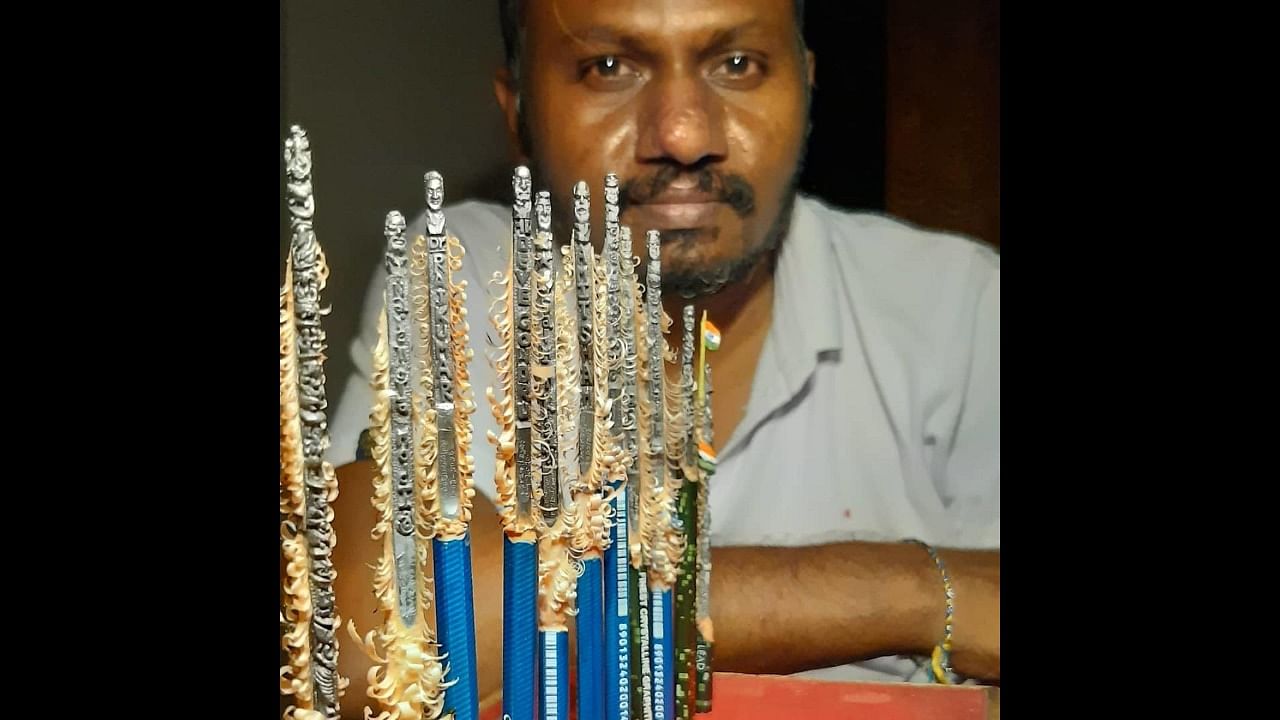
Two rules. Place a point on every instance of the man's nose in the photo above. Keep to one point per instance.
(683, 122)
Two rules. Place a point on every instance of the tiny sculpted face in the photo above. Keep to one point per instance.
(393, 230)
(435, 191)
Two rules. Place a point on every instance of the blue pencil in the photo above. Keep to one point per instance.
(451, 546)
(513, 478)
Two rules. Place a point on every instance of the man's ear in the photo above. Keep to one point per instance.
(508, 96)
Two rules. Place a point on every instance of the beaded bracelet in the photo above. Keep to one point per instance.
(940, 664)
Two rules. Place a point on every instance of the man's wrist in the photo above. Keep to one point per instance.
(939, 663)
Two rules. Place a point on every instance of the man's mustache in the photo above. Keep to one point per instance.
(733, 190)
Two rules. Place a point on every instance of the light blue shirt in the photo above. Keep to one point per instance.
(874, 413)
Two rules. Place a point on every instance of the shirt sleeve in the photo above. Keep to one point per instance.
(972, 477)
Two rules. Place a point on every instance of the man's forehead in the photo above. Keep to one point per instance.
(592, 21)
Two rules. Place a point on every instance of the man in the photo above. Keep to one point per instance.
(857, 387)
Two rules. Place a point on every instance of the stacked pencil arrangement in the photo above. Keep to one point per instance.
(602, 456)
(604, 452)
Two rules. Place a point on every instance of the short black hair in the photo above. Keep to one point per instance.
(512, 37)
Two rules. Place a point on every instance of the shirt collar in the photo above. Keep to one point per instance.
(805, 322)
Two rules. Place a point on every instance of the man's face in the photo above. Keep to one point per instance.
(700, 107)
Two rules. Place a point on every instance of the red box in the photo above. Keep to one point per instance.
(752, 697)
(761, 697)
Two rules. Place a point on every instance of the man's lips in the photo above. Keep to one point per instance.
(674, 216)
(676, 209)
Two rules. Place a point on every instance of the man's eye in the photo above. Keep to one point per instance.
(607, 72)
(738, 70)
(737, 65)
(607, 66)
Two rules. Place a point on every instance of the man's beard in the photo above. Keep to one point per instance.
(736, 192)
(733, 190)
(698, 282)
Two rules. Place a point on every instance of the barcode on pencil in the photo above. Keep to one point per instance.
(621, 559)
(657, 616)
(551, 707)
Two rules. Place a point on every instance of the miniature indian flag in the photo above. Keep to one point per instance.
(710, 335)
(706, 456)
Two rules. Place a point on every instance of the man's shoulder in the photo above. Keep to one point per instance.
(882, 242)
(475, 222)
(890, 263)
(480, 225)
(923, 287)
(479, 214)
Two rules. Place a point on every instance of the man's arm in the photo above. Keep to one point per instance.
(776, 610)
(353, 557)
(785, 610)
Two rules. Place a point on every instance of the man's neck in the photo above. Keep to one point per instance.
(744, 304)
(743, 312)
